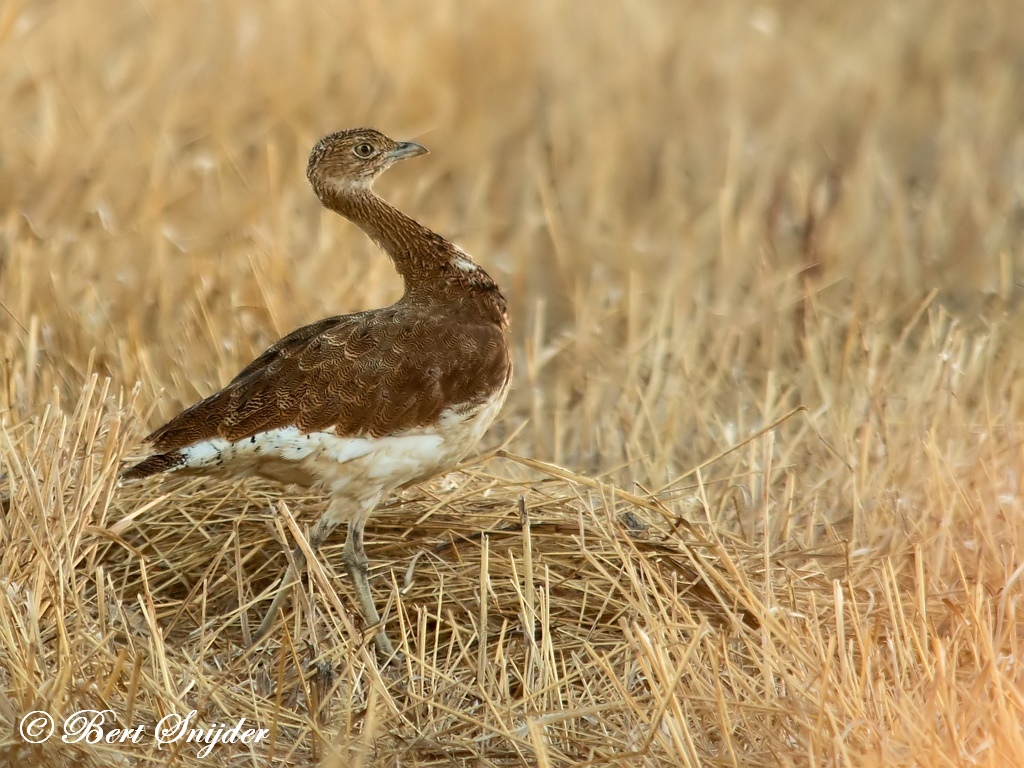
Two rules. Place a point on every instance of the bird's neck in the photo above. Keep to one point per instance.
(416, 251)
(431, 267)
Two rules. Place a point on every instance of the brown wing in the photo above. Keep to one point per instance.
(372, 373)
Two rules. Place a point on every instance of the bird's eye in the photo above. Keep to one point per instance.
(364, 150)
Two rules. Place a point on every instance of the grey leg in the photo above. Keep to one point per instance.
(355, 560)
(321, 531)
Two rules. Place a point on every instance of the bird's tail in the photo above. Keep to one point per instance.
(154, 465)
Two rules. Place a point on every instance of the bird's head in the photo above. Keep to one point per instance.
(350, 160)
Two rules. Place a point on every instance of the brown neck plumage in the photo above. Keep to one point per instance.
(431, 267)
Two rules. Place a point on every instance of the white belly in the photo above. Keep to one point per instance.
(357, 467)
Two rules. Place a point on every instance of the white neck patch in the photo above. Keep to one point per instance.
(463, 261)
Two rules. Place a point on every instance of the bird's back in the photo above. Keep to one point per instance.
(397, 371)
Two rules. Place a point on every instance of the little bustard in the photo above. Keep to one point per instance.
(359, 405)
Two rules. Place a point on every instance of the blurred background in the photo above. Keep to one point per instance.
(713, 170)
(704, 215)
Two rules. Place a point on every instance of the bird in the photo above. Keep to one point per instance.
(358, 405)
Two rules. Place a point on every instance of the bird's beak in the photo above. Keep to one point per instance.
(407, 149)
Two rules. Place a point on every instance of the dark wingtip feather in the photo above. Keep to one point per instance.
(154, 465)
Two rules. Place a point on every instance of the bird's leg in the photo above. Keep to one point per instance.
(355, 560)
(290, 577)
(323, 528)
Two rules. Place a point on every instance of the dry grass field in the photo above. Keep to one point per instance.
(765, 268)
